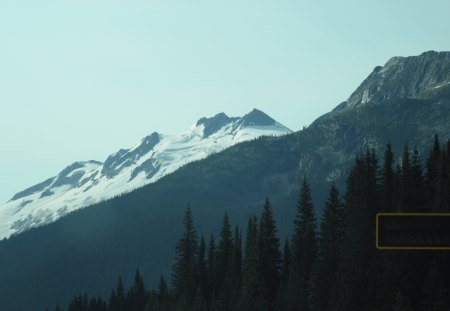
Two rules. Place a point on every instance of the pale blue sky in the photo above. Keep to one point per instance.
(80, 79)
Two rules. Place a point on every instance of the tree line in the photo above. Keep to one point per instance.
(329, 263)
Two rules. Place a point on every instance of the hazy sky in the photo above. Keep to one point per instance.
(80, 79)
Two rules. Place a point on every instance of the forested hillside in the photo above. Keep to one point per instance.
(329, 263)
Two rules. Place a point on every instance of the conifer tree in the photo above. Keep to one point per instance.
(200, 301)
(137, 293)
(388, 182)
(432, 175)
(211, 270)
(269, 258)
(236, 269)
(354, 288)
(386, 278)
(416, 191)
(328, 257)
(202, 269)
(250, 284)
(112, 300)
(286, 262)
(411, 273)
(284, 275)
(162, 301)
(441, 199)
(117, 299)
(225, 249)
(185, 268)
(224, 265)
(304, 250)
(405, 198)
(237, 259)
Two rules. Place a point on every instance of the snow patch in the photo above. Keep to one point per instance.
(93, 185)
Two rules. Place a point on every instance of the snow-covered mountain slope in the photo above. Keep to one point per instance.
(84, 183)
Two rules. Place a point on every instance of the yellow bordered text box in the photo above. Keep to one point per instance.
(377, 231)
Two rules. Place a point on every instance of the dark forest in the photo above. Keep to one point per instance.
(328, 263)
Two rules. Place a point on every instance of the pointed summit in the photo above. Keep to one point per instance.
(257, 118)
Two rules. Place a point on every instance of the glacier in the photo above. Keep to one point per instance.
(88, 182)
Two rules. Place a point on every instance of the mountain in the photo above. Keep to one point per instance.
(403, 77)
(86, 183)
(88, 249)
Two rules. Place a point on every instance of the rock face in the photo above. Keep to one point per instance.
(403, 77)
(212, 125)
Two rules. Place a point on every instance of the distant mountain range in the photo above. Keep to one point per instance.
(86, 183)
(405, 101)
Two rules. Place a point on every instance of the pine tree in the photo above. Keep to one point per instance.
(411, 273)
(269, 258)
(445, 179)
(117, 299)
(355, 287)
(236, 272)
(416, 191)
(284, 276)
(412, 185)
(137, 293)
(327, 263)
(79, 303)
(405, 197)
(304, 251)
(432, 168)
(386, 277)
(159, 300)
(200, 302)
(250, 284)
(120, 294)
(224, 265)
(163, 290)
(96, 304)
(185, 268)
(202, 269)
(286, 262)
(440, 202)
(112, 303)
(211, 270)
(388, 182)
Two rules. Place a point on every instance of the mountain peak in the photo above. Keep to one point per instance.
(257, 118)
(403, 77)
